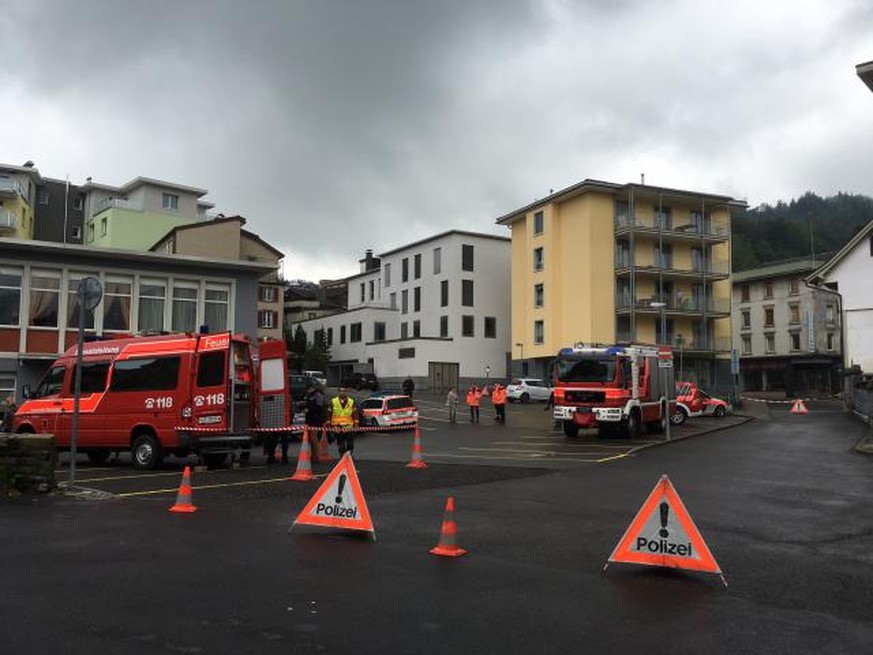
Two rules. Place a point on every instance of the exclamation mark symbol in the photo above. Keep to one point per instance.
(342, 484)
(665, 513)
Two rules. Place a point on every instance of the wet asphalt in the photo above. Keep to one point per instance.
(783, 503)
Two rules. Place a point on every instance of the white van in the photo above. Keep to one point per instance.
(318, 375)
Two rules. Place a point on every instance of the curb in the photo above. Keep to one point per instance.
(719, 428)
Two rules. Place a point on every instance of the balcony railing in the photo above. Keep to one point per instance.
(625, 223)
(718, 267)
(676, 302)
(119, 203)
(8, 220)
(718, 344)
(8, 185)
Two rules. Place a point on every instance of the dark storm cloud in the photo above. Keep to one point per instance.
(336, 126)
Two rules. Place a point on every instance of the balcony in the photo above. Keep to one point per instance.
(678, 304)
(116, 203)
(8, 187)
(8, 220)
(718, 269)
(701, 344)
(691, 231)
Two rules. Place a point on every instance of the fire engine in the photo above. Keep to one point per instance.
(170, 394)
(612, 387)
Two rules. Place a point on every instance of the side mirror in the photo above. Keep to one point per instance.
(26, 392)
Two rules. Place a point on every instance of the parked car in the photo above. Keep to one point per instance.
(298, 384)
(318, 375)
(360, 381)
(692, 401)
(387, 410)
(527, 389)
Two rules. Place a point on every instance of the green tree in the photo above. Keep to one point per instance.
(297, 346)
(317, 354)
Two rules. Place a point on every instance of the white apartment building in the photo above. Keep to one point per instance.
(437, 310)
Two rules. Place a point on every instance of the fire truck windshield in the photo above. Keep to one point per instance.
(581, 368)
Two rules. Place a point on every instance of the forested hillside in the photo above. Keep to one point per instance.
(768, 233)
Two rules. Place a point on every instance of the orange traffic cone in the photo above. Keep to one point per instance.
(417, 461)
(799, 407)
(448, 547)
(324, 448)
(183, 499)
(304, 461)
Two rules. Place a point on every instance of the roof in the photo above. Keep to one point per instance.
(828, 266)
(28, 170)
(865, 72)
(142, 181)
(781, 268)
(441, 235)
(60, 252)
(224, 219)
(641, 190)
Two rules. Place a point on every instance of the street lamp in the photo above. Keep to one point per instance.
(680, 341)
(662, 306)
(521, 355)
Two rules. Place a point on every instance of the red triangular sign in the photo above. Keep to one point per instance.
(339, 501)
(663, 534)
(799, 407)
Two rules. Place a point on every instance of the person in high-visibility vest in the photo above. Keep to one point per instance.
(474, 397)
(344, 415)
(498, 398)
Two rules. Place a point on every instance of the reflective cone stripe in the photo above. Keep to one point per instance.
(417, 461)
(183, 499)
(448, 545)
(324, 448)
(304, 460)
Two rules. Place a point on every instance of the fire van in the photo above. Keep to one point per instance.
(178, 394)
(611, 387)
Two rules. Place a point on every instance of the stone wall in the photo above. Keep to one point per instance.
(27, 462)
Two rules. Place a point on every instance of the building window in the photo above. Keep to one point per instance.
(91, 232)
(416, 272)
(104, 227)
(467, 293)
(372, 290)
(768, 290)
(184, 307)
(10, 296)
(747, 319)
(404, 301)
(794, 313)
(466, 257)
(795, 340)
(444, 326)
(267, 319)
(830, 341)
(663, 218)
(44, 294)
(42, 197)
(829, 314)
(73, 302)
(268, 293)
(437, 261)
(468, 326)
(152, 299)
(392, 301)
(770, 343)
(416, 299)
(116, 304)
(664, 255)
(538, 259)
(444, 293)
(79, 202)
(170, 202)
(216, 303)
(768, 317)
(747, 345)
(416, 329)
(538, 295)
(539, 332)
(793, 287)
(330, 336)
(363, 291)
(387, 275)
(342, 333)
(538, 223)
(76, 232)
(379, 331)
(406, 353)
(404, 270)
(744, 293)
(355, 333)
(404, 330)
(490, 327)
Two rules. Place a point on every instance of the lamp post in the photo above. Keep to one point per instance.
(521, 355)
(662, 366)
(680, 341)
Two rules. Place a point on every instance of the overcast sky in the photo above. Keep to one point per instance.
(337, 126)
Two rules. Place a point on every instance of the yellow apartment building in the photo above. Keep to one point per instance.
(604, 262)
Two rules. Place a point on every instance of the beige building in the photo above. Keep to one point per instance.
(595, 262)
(224, 238)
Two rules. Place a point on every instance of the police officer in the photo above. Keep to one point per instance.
(316, 413)
(344, 418)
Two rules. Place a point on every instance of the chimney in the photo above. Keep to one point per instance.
(643, 179)
(369, 263)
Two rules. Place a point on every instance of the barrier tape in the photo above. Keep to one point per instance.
(775, 402)
(299, 428)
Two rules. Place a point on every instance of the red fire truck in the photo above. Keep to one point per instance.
(612, 387)
(169, 394)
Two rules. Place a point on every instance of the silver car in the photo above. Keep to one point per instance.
(527, 389)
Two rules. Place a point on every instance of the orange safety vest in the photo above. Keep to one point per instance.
(498, 396)
(340, 415)
(473, 398)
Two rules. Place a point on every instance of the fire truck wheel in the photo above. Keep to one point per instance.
(632, 426)
(718, 412)
(98, 455)
(571, 430)
(146, 451)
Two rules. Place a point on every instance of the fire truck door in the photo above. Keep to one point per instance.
(273, 400)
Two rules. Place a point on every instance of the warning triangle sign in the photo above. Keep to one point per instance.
(799, 407)
(663, 534)
(339, 501)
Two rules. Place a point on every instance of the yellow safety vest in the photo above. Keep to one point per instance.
(340, 415)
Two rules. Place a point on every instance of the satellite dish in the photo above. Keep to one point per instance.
(89, 292)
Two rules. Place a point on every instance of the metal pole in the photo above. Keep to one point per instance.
(667, 390)
(77, 389)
